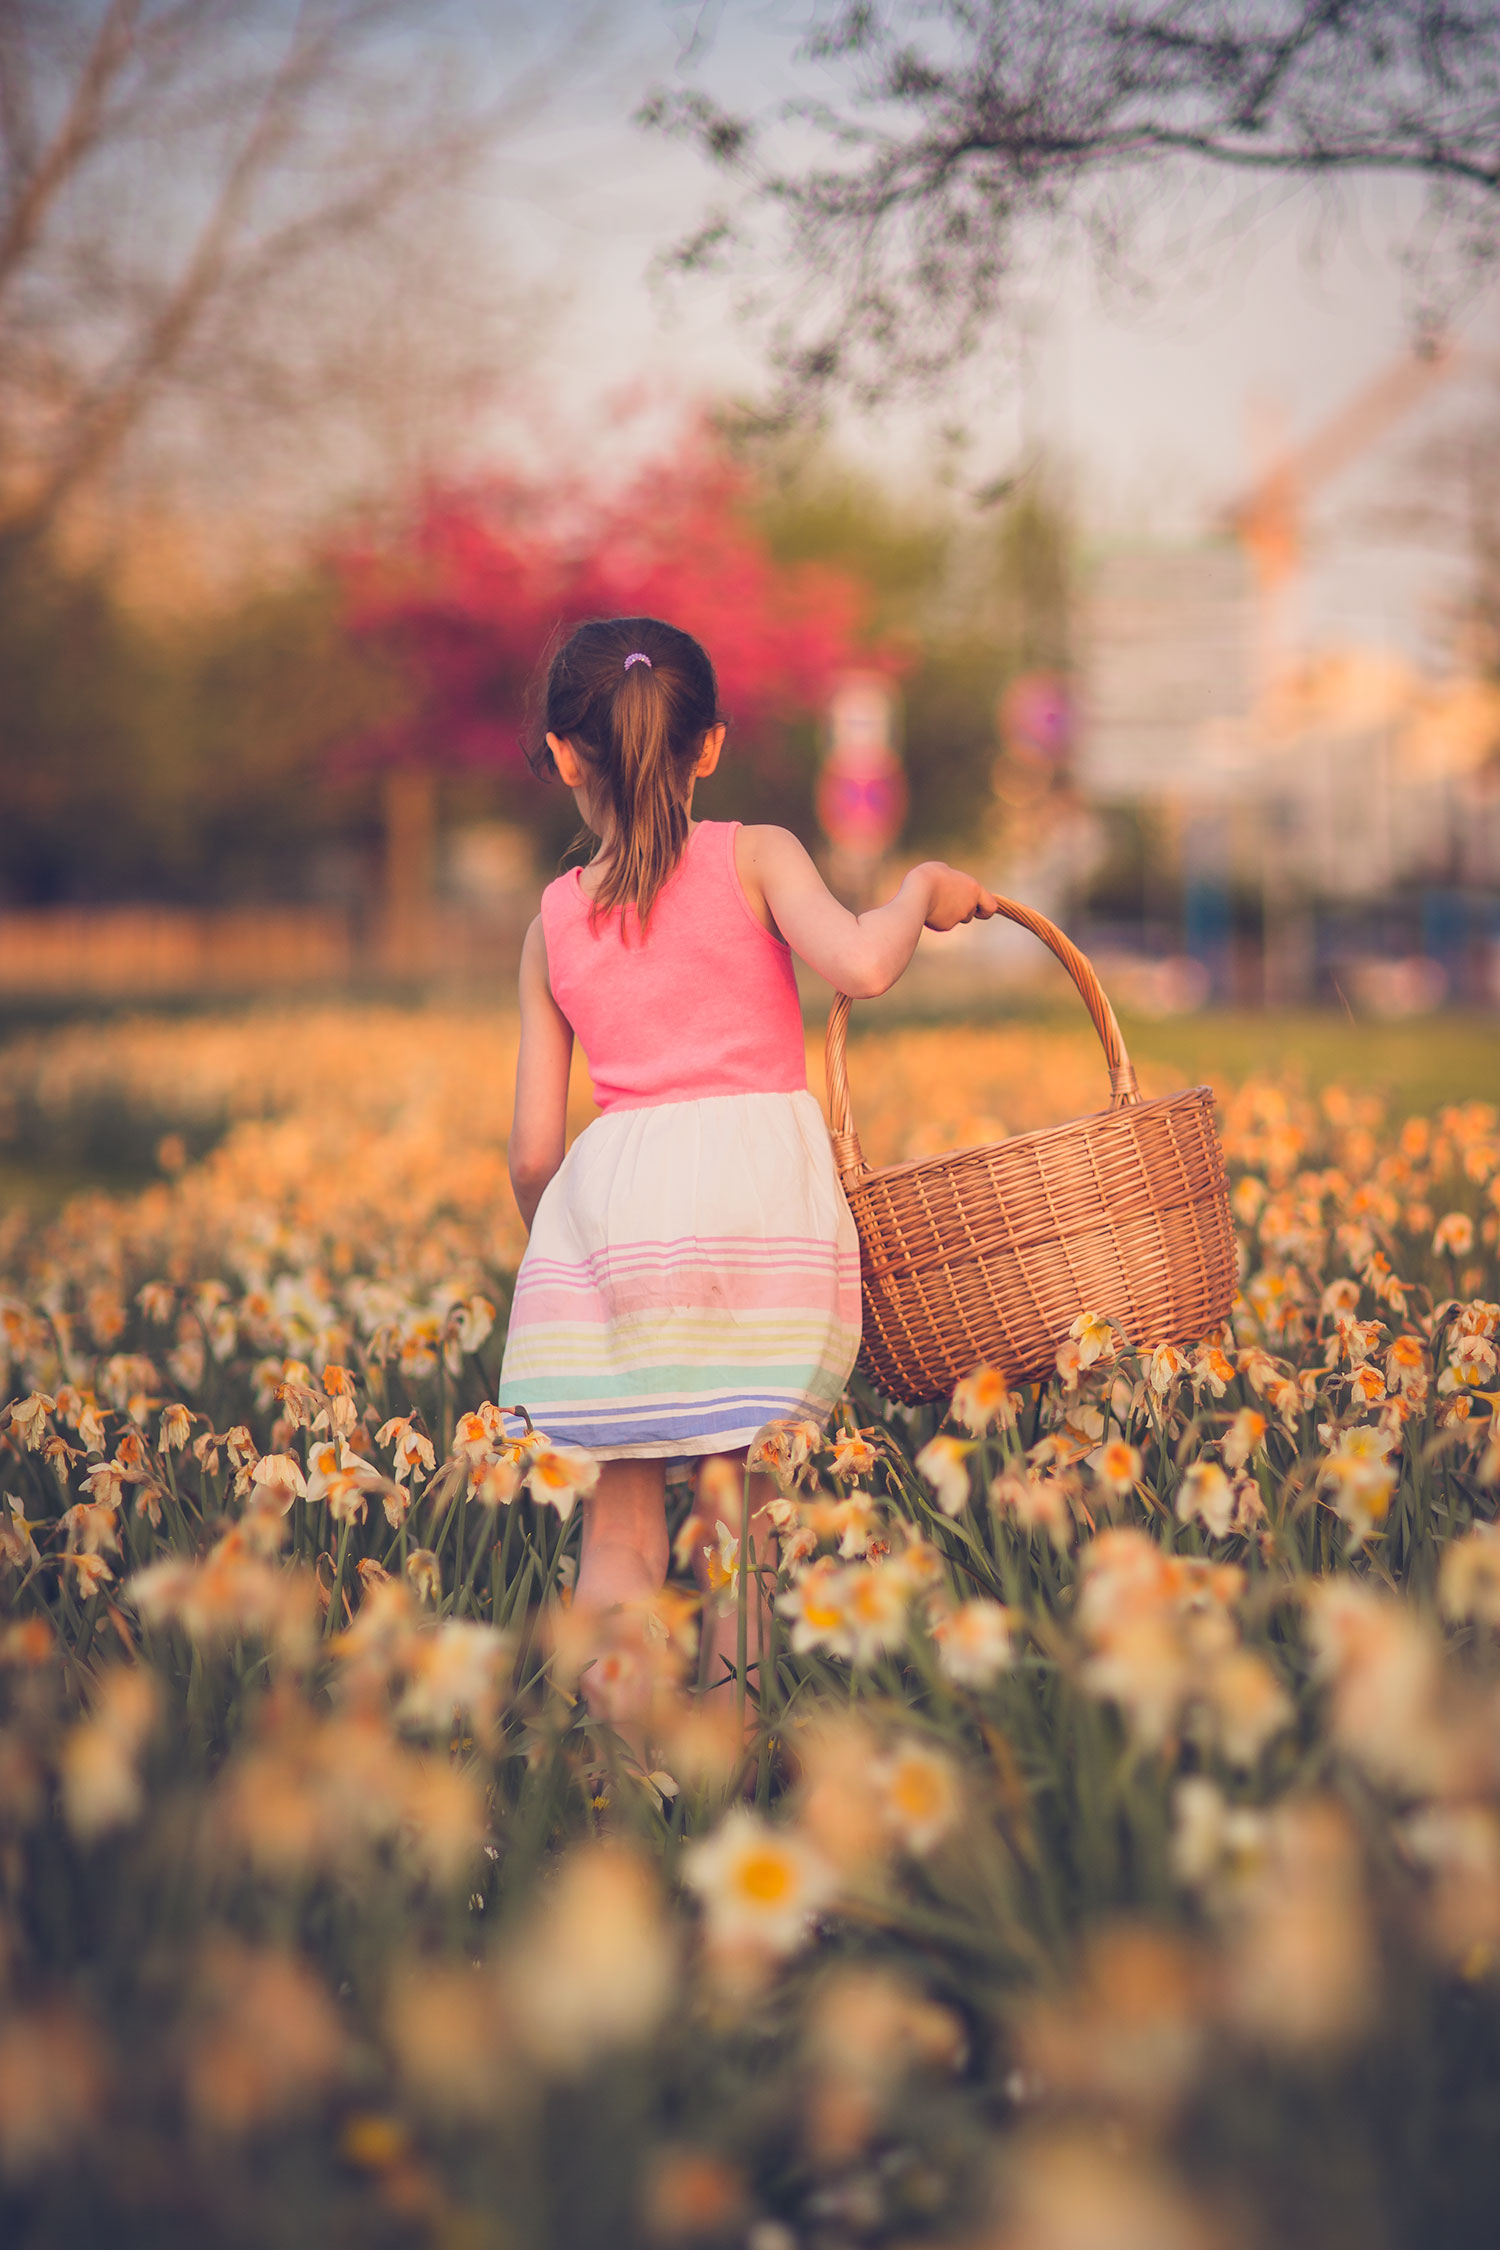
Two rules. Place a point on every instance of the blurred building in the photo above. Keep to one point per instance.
(1339, 808)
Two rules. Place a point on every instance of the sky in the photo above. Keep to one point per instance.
(1150, 406)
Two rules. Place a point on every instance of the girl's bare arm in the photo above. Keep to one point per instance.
(861, 954)
(538, 1133)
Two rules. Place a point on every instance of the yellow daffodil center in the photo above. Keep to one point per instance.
(765, 1878)
(917, 1793)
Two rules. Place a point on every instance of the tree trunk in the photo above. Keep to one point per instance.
(409, 798)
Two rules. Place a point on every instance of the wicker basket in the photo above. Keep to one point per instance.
(989, 1256)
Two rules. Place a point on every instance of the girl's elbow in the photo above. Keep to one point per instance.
(529, 1173)
(868, 975)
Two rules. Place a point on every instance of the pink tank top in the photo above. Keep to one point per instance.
(706, 1004)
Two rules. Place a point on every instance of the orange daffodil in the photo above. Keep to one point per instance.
(985, 1401)
(1119, 1467)
(412, 1448)
(560, 1475)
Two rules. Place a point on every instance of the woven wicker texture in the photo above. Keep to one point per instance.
(989, 1256)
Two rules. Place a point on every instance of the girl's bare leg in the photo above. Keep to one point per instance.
(624, 1569)
(624, 1548)
(718, 1500)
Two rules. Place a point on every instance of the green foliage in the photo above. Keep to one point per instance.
(82, 724)
(183, 759)
(975, 596)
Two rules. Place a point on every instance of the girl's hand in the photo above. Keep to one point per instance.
(956, 897)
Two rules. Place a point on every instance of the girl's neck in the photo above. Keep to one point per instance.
(593, 872)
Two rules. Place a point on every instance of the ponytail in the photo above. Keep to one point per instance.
(635, 698)
(646, 796)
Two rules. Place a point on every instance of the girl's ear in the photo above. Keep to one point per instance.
(567, 761)
(708, 756)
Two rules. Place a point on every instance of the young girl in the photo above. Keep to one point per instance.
(693, 1270)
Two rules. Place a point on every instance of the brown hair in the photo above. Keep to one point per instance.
(639, 728)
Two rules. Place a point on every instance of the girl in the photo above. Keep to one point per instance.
(693, 1270)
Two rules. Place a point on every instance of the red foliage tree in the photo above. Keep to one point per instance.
(463, 605)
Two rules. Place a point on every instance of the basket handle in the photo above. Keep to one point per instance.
(1124, 1091)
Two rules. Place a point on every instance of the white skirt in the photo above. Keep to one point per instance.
(692, 1274)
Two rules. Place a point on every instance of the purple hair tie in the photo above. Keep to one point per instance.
(639, 657)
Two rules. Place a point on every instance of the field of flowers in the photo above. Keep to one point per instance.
(1097, 1847)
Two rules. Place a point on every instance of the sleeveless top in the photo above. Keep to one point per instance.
(706, 1003)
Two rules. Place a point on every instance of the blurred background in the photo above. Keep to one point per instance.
(347, 349)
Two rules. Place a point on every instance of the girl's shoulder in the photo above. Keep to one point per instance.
(762, 851)
(760, 855)
(764, 843)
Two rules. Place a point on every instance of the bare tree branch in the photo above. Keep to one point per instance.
(972, 127)
(184, 183)
(77, 132)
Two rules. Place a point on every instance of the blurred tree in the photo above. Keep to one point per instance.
(464, 605)
(176, 759)
(224, 221)
(81, 698)
(972, 596)
(971, 123)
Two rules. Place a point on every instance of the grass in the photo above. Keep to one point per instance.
(1418, 1065)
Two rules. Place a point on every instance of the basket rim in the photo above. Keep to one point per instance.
(913, 1165)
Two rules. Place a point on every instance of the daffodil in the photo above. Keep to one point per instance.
(1206, 1494)
(28, 1418)
(919, 1794)
(873, 1598)
(176, 1428)
(944, 1462)
(1358, 1472)
(815, 1603)
(1245, 1435)
(90, 1570)
(1038, 1502)
(281, 1474)
(1469, 1576)
(984, 1401)
(722, 1560)
(853, 1456)
(1119, 1467)
(1095, 1337)
(1212, 1369)
(1245, 1704)
(1165, 1368)
(411, 1448)
(760, 1886)
(426, 1576)
(561, 1475)
(782, 1449)
(974, 1642)
(1453, 1236)
(456, 1670)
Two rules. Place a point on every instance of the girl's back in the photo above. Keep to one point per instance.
(705, 1003)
